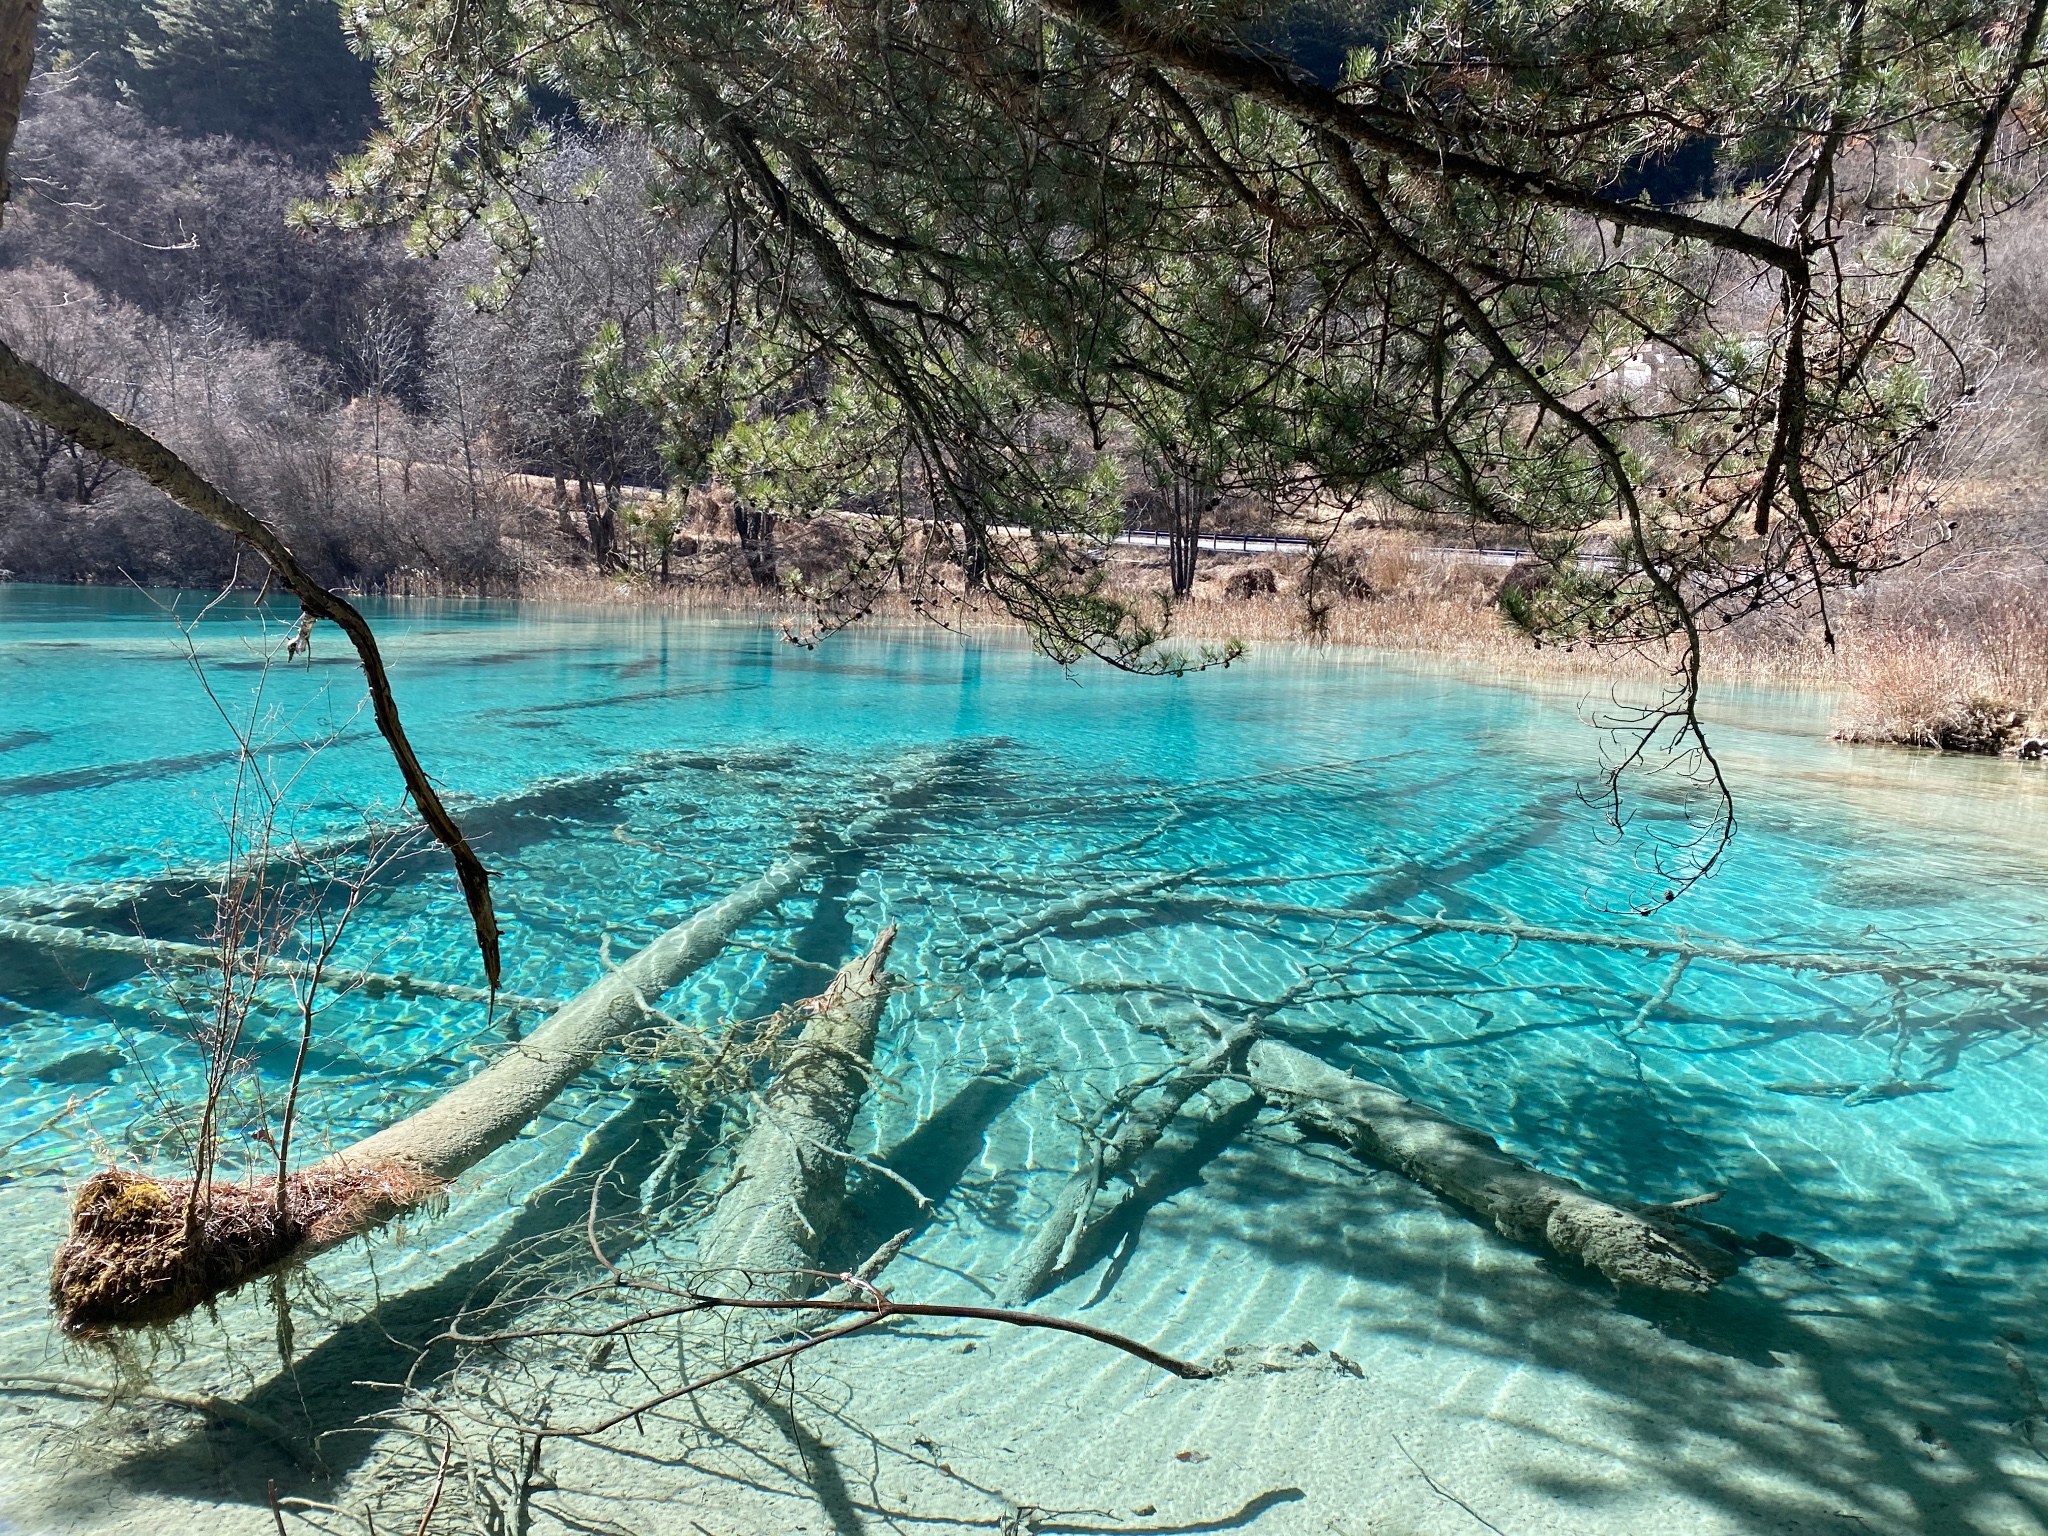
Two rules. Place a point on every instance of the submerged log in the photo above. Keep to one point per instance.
(1470, 1170)
(1988, 974)
(1053, 1245)
(1069, 909)
(173, 953)
(789, 1177)
(1852, 1094)
(132, 1259)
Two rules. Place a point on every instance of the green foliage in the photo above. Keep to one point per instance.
(812, 458)
(276, 71)
(658, 521)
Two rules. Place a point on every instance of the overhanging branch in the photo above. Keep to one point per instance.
(1317, 106)
(33, 392)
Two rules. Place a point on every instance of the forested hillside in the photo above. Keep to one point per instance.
(155, 257)
(274, 72)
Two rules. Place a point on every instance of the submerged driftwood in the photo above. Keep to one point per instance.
(1051, 1248)
(173, 953)
(999, 945)
(789, 1177)
(134, 1260)
(1987, 974)
(1469, 1169)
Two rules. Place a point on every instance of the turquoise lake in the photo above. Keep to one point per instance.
(617, 768)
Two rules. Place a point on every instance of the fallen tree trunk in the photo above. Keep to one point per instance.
(170, 952)
(1053, 1245)
(132, 1259)
(1470, 1170)
(1988, 974)
(789, 1177)
(1070, 909)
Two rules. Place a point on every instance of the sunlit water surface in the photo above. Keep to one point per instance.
(620, 768)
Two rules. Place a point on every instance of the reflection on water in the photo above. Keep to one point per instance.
(1879, 1379)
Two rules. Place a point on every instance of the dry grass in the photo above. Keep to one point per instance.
(1418, 602)
(1962, 683)
(1900, 702)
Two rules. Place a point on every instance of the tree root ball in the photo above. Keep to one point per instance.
(134, 1260)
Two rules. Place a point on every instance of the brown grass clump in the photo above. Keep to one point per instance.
(134, 1261)
(1962, 680)
(1916, 691)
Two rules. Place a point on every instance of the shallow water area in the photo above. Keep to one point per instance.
(1248, 844)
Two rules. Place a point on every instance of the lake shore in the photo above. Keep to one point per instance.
(1949, 688)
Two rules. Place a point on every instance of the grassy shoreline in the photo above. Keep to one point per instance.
(1905, 671)
(1943, 657)
(1442, 627)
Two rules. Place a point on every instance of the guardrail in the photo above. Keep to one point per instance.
(1278, 544)
(1219, 543)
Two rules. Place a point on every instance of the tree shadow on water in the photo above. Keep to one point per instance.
(933, 1158)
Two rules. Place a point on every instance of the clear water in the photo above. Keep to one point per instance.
(620, 768)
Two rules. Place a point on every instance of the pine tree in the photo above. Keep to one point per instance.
(275, 71)
(95, 37)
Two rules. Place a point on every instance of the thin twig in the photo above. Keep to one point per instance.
(923, 1201)
(440, 1479)
(71, 1107)
(1444, 1493)
(884, 1308)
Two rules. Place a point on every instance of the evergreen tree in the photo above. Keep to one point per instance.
(278, 72)
(1423, 259)
(95, 37)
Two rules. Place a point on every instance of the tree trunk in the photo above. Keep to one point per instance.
(756, 529)
(1470, 1170)
(563, 525)
(1184, 532)
(171, 954)
(17, 58)
(790, 1174)
(130, 1260)
(974, 555)
(474, 1118)
(468, 455)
